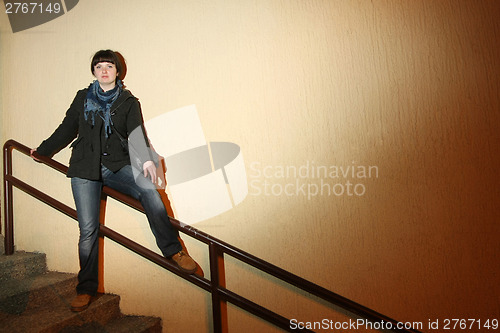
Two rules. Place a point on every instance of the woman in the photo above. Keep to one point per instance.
(100, 118)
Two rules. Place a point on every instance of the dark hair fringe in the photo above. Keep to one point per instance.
(106, 56)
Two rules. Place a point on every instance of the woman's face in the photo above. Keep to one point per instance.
(105, 73)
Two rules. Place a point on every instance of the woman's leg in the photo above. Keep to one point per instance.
(145, 191)
(87, 195)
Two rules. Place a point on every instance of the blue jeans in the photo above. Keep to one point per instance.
(87, 195)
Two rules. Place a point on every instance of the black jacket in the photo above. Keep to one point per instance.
(91, 148)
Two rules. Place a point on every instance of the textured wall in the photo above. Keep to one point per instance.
(369, 131)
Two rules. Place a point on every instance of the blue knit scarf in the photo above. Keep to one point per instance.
(99, 102)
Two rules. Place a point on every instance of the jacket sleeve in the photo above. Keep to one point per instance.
(66, 131)
(137, 135)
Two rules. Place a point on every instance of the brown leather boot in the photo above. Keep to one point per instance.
(184, 262)
(80, 302)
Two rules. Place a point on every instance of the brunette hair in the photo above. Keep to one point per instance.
(106, 56)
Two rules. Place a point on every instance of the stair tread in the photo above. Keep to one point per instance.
(19, 256)
(27, 284)
(21, 264)
(33, 299)
(130, 324)
(125, 324)
(44, 318)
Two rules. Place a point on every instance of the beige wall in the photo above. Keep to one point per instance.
(407, 87)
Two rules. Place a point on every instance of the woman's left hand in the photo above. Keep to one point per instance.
(150, 169)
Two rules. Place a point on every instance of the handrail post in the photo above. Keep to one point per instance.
(218, 279)
(100, 260)
(8, 206)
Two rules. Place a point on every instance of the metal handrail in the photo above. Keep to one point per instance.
(217, 249)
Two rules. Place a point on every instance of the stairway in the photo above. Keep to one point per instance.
(33, 299)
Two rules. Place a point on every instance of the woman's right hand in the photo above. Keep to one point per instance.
(32, 156)
(150, 169)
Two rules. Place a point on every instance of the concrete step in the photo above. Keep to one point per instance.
(21, 264)
(124, 324)
(20, 295)
(56, 316)
(35, 300)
